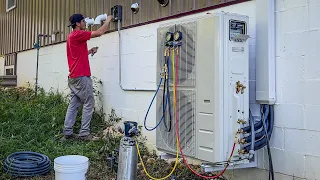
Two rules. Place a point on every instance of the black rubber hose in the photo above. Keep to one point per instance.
(271, 172)
(26, 164)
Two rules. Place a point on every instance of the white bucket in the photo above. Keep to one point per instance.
(72, 167)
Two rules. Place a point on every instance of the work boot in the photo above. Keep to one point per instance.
(69, 137)
(89, 137)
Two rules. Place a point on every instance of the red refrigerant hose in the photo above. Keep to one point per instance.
(178, 135)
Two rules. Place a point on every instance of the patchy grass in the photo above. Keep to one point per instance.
(29, 123)
(35, 124)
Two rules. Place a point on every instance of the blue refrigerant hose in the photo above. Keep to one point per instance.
(26, 164)
(167, 101)
(145, 118)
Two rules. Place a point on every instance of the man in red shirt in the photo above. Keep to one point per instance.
(79, 79)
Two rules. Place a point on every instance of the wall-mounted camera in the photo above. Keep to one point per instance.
(135, 8)
(163, 3)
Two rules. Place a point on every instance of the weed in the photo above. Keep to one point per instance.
(29, 123)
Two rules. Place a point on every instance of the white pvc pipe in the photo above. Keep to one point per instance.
(101, 17)
(89, 21)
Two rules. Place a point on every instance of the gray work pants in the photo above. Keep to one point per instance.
(81, 93)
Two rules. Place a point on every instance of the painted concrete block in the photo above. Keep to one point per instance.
(298, 23)
(313, 41)
(294, 3)
(293, 42)
(293, 92)
(310, 92)
(314, 15)
(295, 72)
(289, 116)
(314, 2)
(280, 38)
(298, 137)
(311, 67)
(309, 140)
(287, 162)
(312, 167)
(312, 142)
(311, 117)
(277, 138)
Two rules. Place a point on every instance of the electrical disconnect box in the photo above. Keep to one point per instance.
(212, 87)
(116, 12)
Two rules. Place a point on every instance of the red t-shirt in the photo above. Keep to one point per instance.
(77, 53)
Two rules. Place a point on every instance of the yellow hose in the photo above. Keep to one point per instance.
(177, 149)
(145, 170)
(174, 84)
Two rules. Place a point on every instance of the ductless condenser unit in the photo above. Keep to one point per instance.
(212, 87)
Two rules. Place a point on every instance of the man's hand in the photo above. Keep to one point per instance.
(109, 18)
(93, 50)
(103, 28)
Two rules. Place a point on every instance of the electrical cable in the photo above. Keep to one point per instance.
(178, 135)
(26, 164)
(271, 173)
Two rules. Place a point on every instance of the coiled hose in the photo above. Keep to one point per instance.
(26, 164)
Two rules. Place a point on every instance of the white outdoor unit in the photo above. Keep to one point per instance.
(213, 60)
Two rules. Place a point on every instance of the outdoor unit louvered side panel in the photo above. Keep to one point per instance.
(186, 94)
(186, 60)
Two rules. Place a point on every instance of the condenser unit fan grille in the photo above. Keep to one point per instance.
(186, 112)
(186, 54)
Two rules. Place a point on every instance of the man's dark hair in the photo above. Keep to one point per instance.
(74, 19)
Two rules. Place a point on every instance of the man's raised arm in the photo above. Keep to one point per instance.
(102, 29)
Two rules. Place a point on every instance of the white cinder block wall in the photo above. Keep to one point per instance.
(296, 136)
